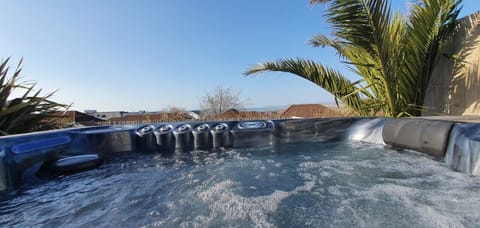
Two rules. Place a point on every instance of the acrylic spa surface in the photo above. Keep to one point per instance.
(290, 185)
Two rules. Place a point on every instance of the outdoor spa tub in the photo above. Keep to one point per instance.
(367, 172)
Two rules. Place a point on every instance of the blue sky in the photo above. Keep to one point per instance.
(154, 54)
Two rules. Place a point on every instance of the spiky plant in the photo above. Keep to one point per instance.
(29, 112)
(393, 54)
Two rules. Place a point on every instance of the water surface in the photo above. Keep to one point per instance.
(294, 185)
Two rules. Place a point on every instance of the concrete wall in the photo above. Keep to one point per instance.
(455, 84)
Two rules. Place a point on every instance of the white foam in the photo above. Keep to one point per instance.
(225, 204)
(429, 215)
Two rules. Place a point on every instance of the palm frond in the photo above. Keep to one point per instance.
(394, 55)
(431, 23)
(327, 78)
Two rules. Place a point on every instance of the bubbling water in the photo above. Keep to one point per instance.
(302, 185)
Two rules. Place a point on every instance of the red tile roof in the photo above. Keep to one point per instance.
(234, 114)
(309, 111)
(73, 117)
(229, 114)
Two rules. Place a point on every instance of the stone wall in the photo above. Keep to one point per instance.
(455, 84)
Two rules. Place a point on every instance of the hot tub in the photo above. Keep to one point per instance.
(313, 172)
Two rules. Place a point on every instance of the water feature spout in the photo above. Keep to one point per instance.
(367, 130)
(463, 151)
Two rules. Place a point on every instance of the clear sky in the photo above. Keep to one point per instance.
(152, 54)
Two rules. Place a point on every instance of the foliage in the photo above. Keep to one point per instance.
(30, 111)
(393, 54)
(219, 100)
(176, 114)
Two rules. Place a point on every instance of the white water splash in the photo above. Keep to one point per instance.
(463, 152)
(225, 204)
(368, 130)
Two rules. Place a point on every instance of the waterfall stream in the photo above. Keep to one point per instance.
(367, 130)
(463, 152)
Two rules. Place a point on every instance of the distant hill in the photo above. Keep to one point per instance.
(266, 108)
(280, 107)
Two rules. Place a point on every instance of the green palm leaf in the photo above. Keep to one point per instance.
(394, 55)
(329, 79)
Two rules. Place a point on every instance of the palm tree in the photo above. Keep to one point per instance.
(31, 111)
(394, 54)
